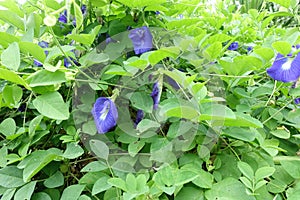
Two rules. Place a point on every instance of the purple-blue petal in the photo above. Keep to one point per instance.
(43, 44)
(37, 63)
(297, 101)
(141, 39)
(233, 46)
(139, 116)
(63, 17)
(155, 95)
(277, 72)
(83, 9)
(105, 114)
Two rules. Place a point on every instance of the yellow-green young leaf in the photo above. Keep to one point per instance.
(10, 57)
(12, 18)
(35, 50)
(213, 51)
(78, 15)
(158, 55)
(284, 3)
(7, 39)
(282, 47)
(13, 77)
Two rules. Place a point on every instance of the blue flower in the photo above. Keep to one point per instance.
(285, 69)
(249, 48)
(42, 44)
(155, 95)
(63, 17)
(141, 39)
(233, 46)
(139, 116)
(83, 9)
(105, 114)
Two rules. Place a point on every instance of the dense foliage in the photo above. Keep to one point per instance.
(149, 99)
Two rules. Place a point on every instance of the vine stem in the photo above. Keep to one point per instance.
(278, 111)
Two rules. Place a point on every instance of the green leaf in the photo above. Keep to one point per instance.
(162, 53)
(13, 77)
(99, 148)
(41, 196)
(282, 47)
(244, 134)
(55, 180)
(143, 101)
(101, 185)
(8, 194)
(246, 169)
(35, 162)
(140, 3)
(35, 50)
(8, 127)
(11, 177)
(117, 70)
(264, 172)
(281, 133)
(216, 112)
(246, 182)
(204, 179)
(284, 3)
(131, 183)
(12, 18)
(78, 15)
(56, 52)
(34, 124)
(117, 182)
(12, 95)
(135, 147)
(25, 192)
(73, 151)
(87, 39)
(228, 188)
(7, 39)
(72, 192)
(292, 167)
(179, 108)
(10, 57)
(146, 124)
(243, 120)
(52, 105)
(3, 154)
(190, 193)
(213, 51)
(95, 166)
(45, 77)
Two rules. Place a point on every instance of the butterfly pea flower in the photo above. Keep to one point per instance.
(139, 116)
(141, 39)
(63, 17)
(233, 46)
(105, 114)
(155, 95)
(285, 68)
(42, 44)
(249, 48)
